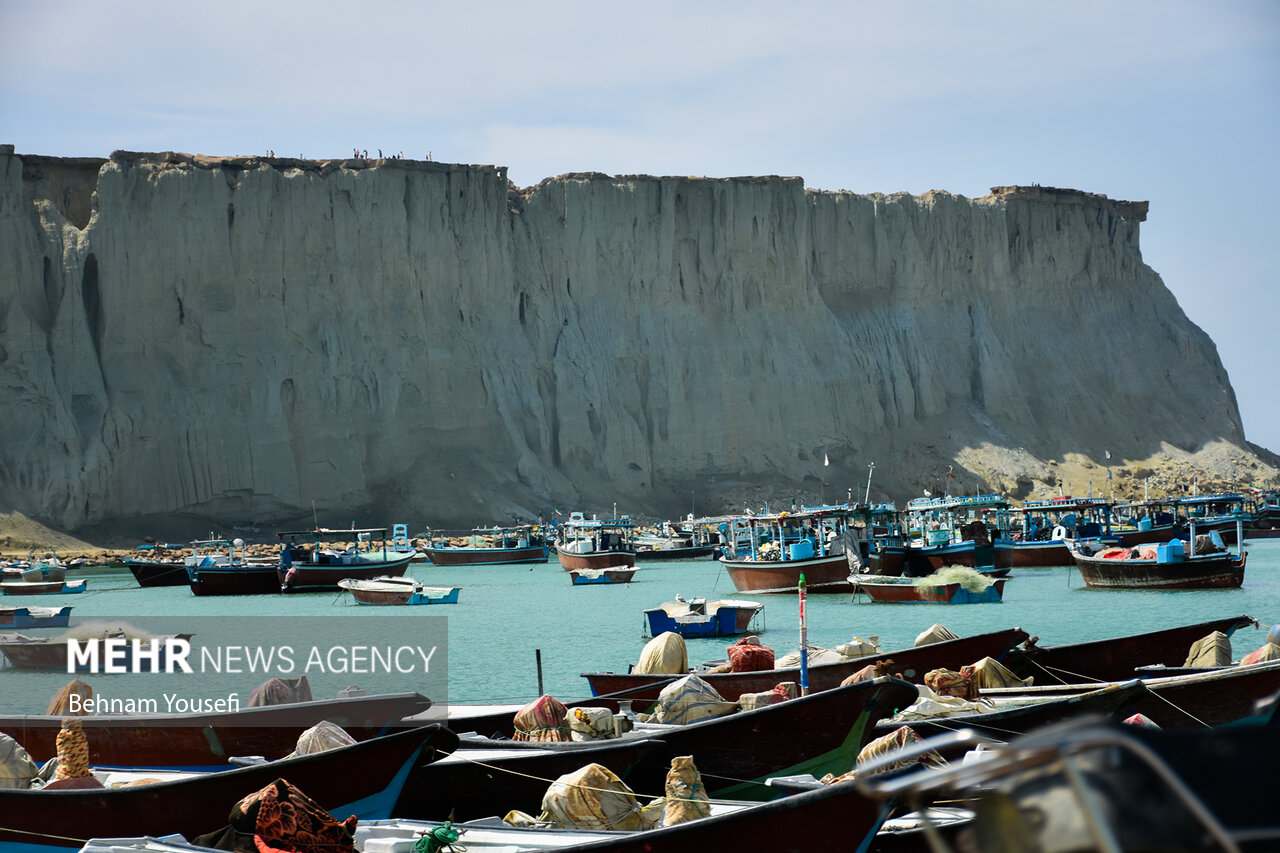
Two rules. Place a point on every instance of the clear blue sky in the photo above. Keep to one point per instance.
(1169, 101)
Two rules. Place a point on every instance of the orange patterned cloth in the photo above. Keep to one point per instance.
(945, 682)
(285, 820)
(73, 750)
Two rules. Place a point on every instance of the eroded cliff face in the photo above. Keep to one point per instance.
(230, 339)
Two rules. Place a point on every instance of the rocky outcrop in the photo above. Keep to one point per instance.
(233, 339)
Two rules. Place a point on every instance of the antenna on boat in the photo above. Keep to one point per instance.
(871, 467)
(314, 517)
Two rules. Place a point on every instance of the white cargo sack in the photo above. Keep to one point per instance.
(16, 767)
(687, 701)
(936, 634)
(590, 724)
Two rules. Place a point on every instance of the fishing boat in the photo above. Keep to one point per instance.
(52, 654)
(911, 663)
(951, 531)
(489, 546)
(697, 617)
(612, 574)
(47, 568)
(933, 589)
(685, 540)
(398, 590)
(1115, 658)
(596, 544)
(364, 779)
(224, 569)
(1212, 697)
(176, 570)
(311, 560)
(1228, 513)
(1024, 714)
(816, 542)
(35, 617)
(1040, 528)
(42, 587)
(1091, 785)
(836, 724)
(207, 741)
(1203, 562)
(808, 820)
(1266, 510)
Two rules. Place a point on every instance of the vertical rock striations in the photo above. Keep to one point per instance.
(231, 339)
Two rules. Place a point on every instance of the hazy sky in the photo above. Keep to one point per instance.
(1173, 102)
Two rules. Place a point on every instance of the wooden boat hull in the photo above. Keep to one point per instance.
(209, 740)
(364, 779)
(595, 559)
(42, 587)
(407, 596)
(38, 617)
(997, 555)
(805, 821)
(317, 577)
(581, 577)
(821, 575)
(949, 593)
(149, 573)
(486, 556)
(1117, 658)
(237, 580)
(836, 724)
(52, 656)
(912, 663)
(1213, 697)
(1031, 555)
(1217, 571)
(466, 787)
(1113, 700)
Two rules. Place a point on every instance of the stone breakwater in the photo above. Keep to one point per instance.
(231, 339)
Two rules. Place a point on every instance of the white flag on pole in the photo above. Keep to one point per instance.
(825, 461)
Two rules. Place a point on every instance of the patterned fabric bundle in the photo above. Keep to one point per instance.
(945, 682)
(281, 691)
(73, 758)
(73, 750)
(282, 818)
(543, 719)
(745, 658)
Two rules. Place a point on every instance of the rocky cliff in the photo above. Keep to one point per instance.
(232, 339)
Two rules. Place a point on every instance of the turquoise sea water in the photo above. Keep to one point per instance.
(508, 613)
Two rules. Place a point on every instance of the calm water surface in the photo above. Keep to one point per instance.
(508, 613)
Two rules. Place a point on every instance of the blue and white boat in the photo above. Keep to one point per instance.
(35, 617)
(698, 617)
